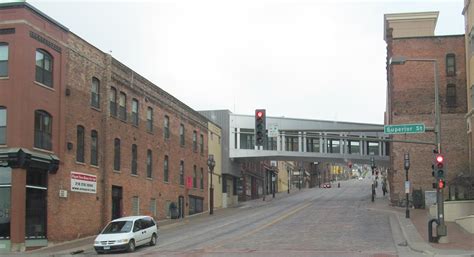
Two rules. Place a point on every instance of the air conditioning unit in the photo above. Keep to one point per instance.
(63, 193)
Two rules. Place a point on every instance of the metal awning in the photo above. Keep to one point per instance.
(25, 158)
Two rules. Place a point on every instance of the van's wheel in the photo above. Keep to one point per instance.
(153, 240)
(131, 245)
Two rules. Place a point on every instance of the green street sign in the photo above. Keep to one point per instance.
(404, 128)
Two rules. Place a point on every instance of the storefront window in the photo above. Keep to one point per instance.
(5, 202)
(36, 192)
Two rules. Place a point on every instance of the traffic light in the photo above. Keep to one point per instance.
(439, 166)
(260, 127)
(441, 183)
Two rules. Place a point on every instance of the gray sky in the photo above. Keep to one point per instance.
(303, 59)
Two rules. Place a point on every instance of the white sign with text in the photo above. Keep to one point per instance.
(84, 183)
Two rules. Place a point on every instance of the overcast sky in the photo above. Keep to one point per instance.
(303, 59)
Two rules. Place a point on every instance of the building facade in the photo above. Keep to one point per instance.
(85, 139)
(214, 145)
(410, 99)
(468, 13)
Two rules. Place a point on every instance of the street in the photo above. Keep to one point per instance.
(313, 222)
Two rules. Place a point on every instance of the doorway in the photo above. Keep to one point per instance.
(116, 202)
(181, 206)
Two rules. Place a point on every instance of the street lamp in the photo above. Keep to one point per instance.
(400, 60)
(288, 185)
(211, 164)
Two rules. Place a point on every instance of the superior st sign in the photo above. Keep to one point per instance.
(404, 129)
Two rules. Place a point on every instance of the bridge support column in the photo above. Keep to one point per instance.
(283, 148)
(300, 141)
(304, 142)
(237, 131)
(279, 142)
(321, 143)
(380, 148)
(384, 148)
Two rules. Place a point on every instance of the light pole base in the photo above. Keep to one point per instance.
(443, 240)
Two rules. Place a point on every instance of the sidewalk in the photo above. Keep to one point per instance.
(415, 231)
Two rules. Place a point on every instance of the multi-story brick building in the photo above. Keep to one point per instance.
(468, 13)
(410, 98)
(84, 139)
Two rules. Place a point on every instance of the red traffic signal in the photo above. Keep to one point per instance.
(441, 184)
(260, 127)
(259, 114)
(439, 161)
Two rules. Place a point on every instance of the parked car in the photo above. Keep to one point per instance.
(126, 233)
(327, 185)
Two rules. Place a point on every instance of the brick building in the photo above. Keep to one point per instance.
(410, 98)
(84, 139)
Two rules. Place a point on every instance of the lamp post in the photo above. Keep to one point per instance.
(400, 60)
(211, 164)
(406, 164)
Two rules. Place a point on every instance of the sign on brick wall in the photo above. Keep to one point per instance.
(189, 182)
(84, 183)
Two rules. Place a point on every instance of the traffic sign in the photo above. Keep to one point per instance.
(273, 130)
(404, 128)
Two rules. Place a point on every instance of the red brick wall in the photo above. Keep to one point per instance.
(82, 214)
(411, 100)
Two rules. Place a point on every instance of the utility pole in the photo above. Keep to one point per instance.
(273, 183)
(288, 170)
(211, 163)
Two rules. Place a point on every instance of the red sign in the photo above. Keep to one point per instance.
(189, 182)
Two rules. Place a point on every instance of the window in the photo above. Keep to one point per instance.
(95, 93)
(80, 144)
(123, 106)
(372, 148)
(3, 125)
(354, 147)
(194, 141)
(450, 65)
(149, 119)
(195, 205)
(194, 176)
(3, 60)
(153, 207)
(149, 164)
(181, 172)
(36, 207)
(43, 130)
(117, 154)
(134, 159)
(333, 146)
(113, 102)
(165, 169)
(201, 143)
(451, 95)
(166, 125)
(135, 206)
(202, 178)
(94, 148)
(44, 68)
(291, 144)
(312, 144)
(247, 140)
(135, 112)
(181, 134)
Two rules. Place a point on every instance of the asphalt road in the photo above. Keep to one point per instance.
(313, 222)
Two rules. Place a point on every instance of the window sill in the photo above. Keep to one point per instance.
(96, 109)
(4, 78)
(81, 163)
(150, 132)
(117, 171)
(43, 150)
(150, 179)
(166, 182)
(134, 175)
(3, 146)
(44, 86)
(95, 166)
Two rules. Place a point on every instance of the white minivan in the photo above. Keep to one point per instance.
(126, 233)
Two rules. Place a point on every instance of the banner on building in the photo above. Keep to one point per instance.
(84, 183)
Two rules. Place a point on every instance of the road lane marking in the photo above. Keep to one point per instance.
(273, 222)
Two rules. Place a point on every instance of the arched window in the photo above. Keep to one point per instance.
(95, 93)
(3, 59)
(80, 144)
(43, 130)
(450, 65)
(113, 101)
(181, 172)
(194, 176)
(165, 169)
(3, 125)
(44, 68)
(94, 148)
(122, 106)
(451, 95)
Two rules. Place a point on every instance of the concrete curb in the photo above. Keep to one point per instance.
(416, 243)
